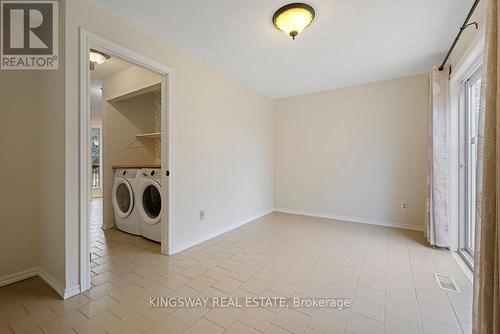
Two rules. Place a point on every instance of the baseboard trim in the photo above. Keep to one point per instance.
(19, 276)
(65, 293)
(54, 284)
(209, 236)
(352, 219)
(73, 291)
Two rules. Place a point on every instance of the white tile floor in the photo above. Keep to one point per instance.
(388, 274)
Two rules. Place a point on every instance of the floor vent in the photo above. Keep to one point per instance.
(446, 282)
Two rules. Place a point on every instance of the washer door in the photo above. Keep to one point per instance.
(123, 198)
(150, 208)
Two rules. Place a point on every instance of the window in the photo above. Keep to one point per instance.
(96, 157)
(469, 130)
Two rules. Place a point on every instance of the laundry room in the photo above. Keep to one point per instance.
(126, 206)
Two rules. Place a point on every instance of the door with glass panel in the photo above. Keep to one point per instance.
(469, 132)
(96, 157)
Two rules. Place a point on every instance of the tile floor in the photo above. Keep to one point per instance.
(386, 272)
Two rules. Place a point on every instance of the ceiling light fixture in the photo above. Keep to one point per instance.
(96, 58)
(293, 18)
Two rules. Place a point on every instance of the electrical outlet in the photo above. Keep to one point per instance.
(404, 205)
(202, 214)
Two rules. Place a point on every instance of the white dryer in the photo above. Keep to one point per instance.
(150, 203)
(124, 203)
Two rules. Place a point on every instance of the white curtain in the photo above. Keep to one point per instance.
(437, 219)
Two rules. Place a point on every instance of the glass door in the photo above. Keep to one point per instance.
(472, 106)
(96, 157)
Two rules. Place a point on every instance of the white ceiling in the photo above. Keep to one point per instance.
(350, 41)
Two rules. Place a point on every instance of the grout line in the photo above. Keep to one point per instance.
(364, 245)
(448, 297)
(216, 324)
(357, 284)
(386, 274)
(415, 286)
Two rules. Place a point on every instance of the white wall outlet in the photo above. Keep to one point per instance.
(404, 205)
(202, 214)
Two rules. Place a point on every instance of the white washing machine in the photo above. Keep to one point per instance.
(124, 200)
(150, 203)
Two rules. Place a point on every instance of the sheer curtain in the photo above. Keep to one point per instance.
(437, 220)
(486, 308)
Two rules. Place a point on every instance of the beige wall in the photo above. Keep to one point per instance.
(128, 81)
(223, 154)
(121, 121)
(223, 150)
(52, 146)
(33, 150)
(19, 167)
(354, 153)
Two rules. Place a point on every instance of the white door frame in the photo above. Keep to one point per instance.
(472, 59)
(91, 40)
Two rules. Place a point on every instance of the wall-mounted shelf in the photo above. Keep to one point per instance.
(135, 93)
(142, 136)
(152, 135)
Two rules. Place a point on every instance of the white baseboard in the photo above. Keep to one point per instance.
(19, 276)
(65, 293)
(73, 291)
(352, 219)
(54, 284)
(206, 237)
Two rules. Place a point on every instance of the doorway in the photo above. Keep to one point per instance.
(149, 138)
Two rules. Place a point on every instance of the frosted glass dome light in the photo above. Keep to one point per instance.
(293, 18)
(97, 57)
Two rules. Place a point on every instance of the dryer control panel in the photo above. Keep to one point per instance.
(152, 173)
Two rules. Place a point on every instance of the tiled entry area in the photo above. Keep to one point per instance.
(387, 272)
